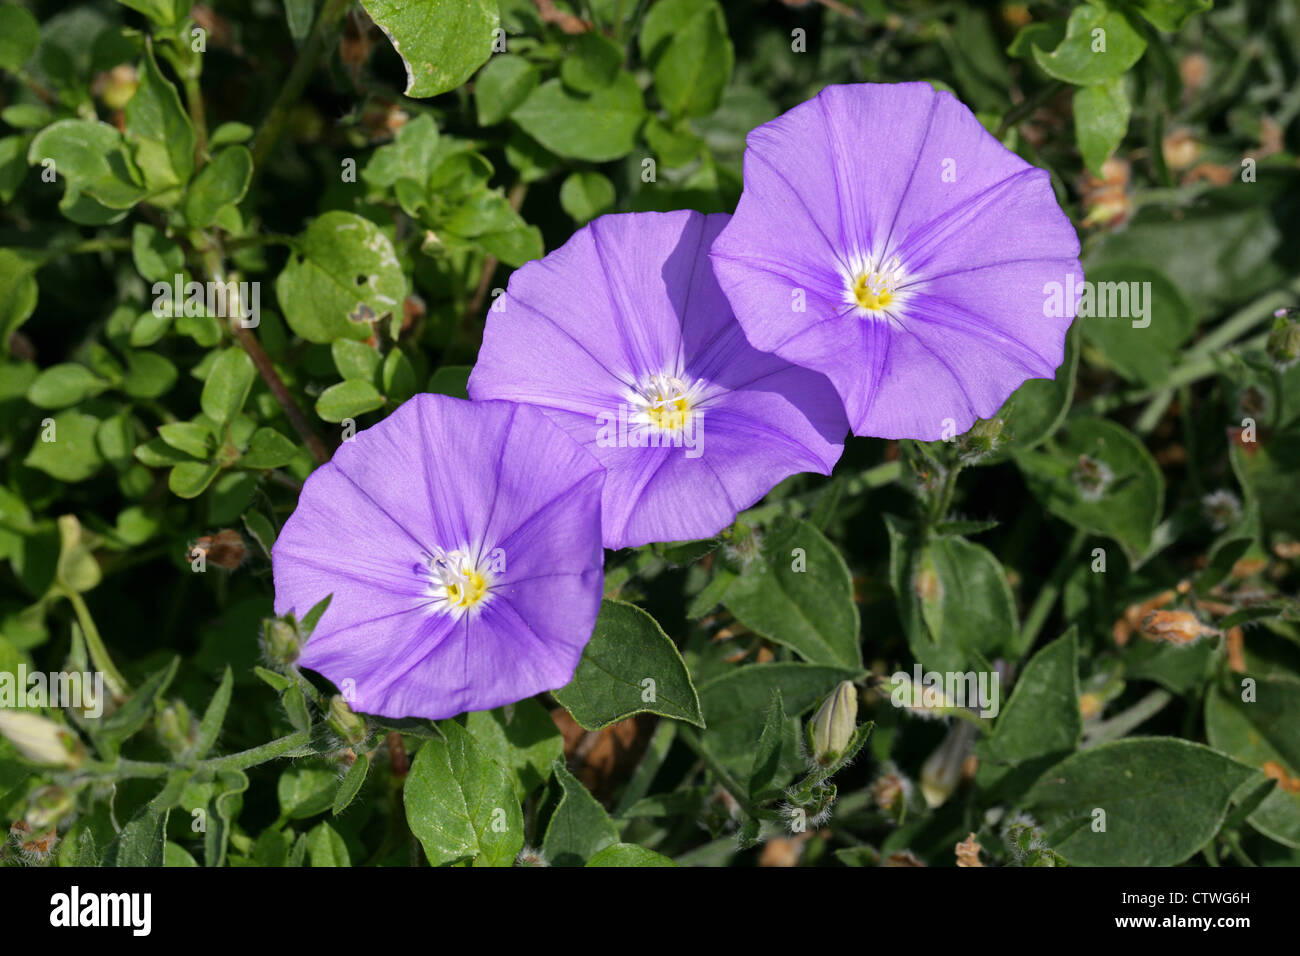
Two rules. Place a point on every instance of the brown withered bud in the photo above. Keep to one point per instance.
(968, 852)
(1176, 627)
(225, 549)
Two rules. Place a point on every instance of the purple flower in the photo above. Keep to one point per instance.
(885, 239)
(461, 543)
(623, 337)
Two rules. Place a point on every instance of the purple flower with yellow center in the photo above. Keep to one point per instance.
(624, 339)
(887, 240)
(461, 544)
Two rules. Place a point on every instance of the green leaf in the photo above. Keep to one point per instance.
(71, 454)
(521, 737)
(1170, 15)
(585, 195)
(143, 838)
(348, 400)
(1041, 723)
(165, 13)
(441, 44)
(450, 380)
(1036, 409)
(156, 257)
(579, 828)
(597, 126)
(502, 85)
(227, 385)
(411, 156)
(1147, 352)
(736, 724)
(1101, 114)
(228, 133)
(191, 478)
(461, 804)
(91, 157)
(298, 14)
(221, 183)
(772, 744)
(630, 666)
(398, 377)
(268, 449)
(189, 437)
(351, 785)
(18, 291)
(1258, 732)
(326, 848)
(62, 385)
(20, 35)
(148, 375)
(628, 854)
(159, 130)
(306, 791)
(687, 46)
(592, 63)
(343, 262)
(1115, 490)
(1099, 43)
(355, 359)
(213, 717)
(1163, 799)
(800, 594)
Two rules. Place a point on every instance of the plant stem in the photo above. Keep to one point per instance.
(725, 778)
(322, 30)
(266, 368)
(877, 477)
(1047, 595)
(103, 244)
(198, 119)
(99, 655)
(1127, 720)
(280, 747)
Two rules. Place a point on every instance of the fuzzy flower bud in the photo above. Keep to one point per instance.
(1284, 341)
(47, 806)
(281, 641)
(175, 726)
(344, 722)
(834, 724)
(41, 740)
(942, 770)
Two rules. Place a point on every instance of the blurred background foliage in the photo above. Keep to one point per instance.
(1121, 546)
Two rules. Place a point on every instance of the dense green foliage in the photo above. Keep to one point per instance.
(1120, 546)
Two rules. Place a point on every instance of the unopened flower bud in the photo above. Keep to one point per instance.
(116, 86)
(41, 740)
(47, 806)
(942, 770)
(281, 641)
(982, 438)
(1284, 342)
(346, 724)
(175, 726)
(834, 724)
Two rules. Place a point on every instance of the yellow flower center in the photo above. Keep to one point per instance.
(876, 284)
(468, 594)
(457, 582)
(667, 401)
